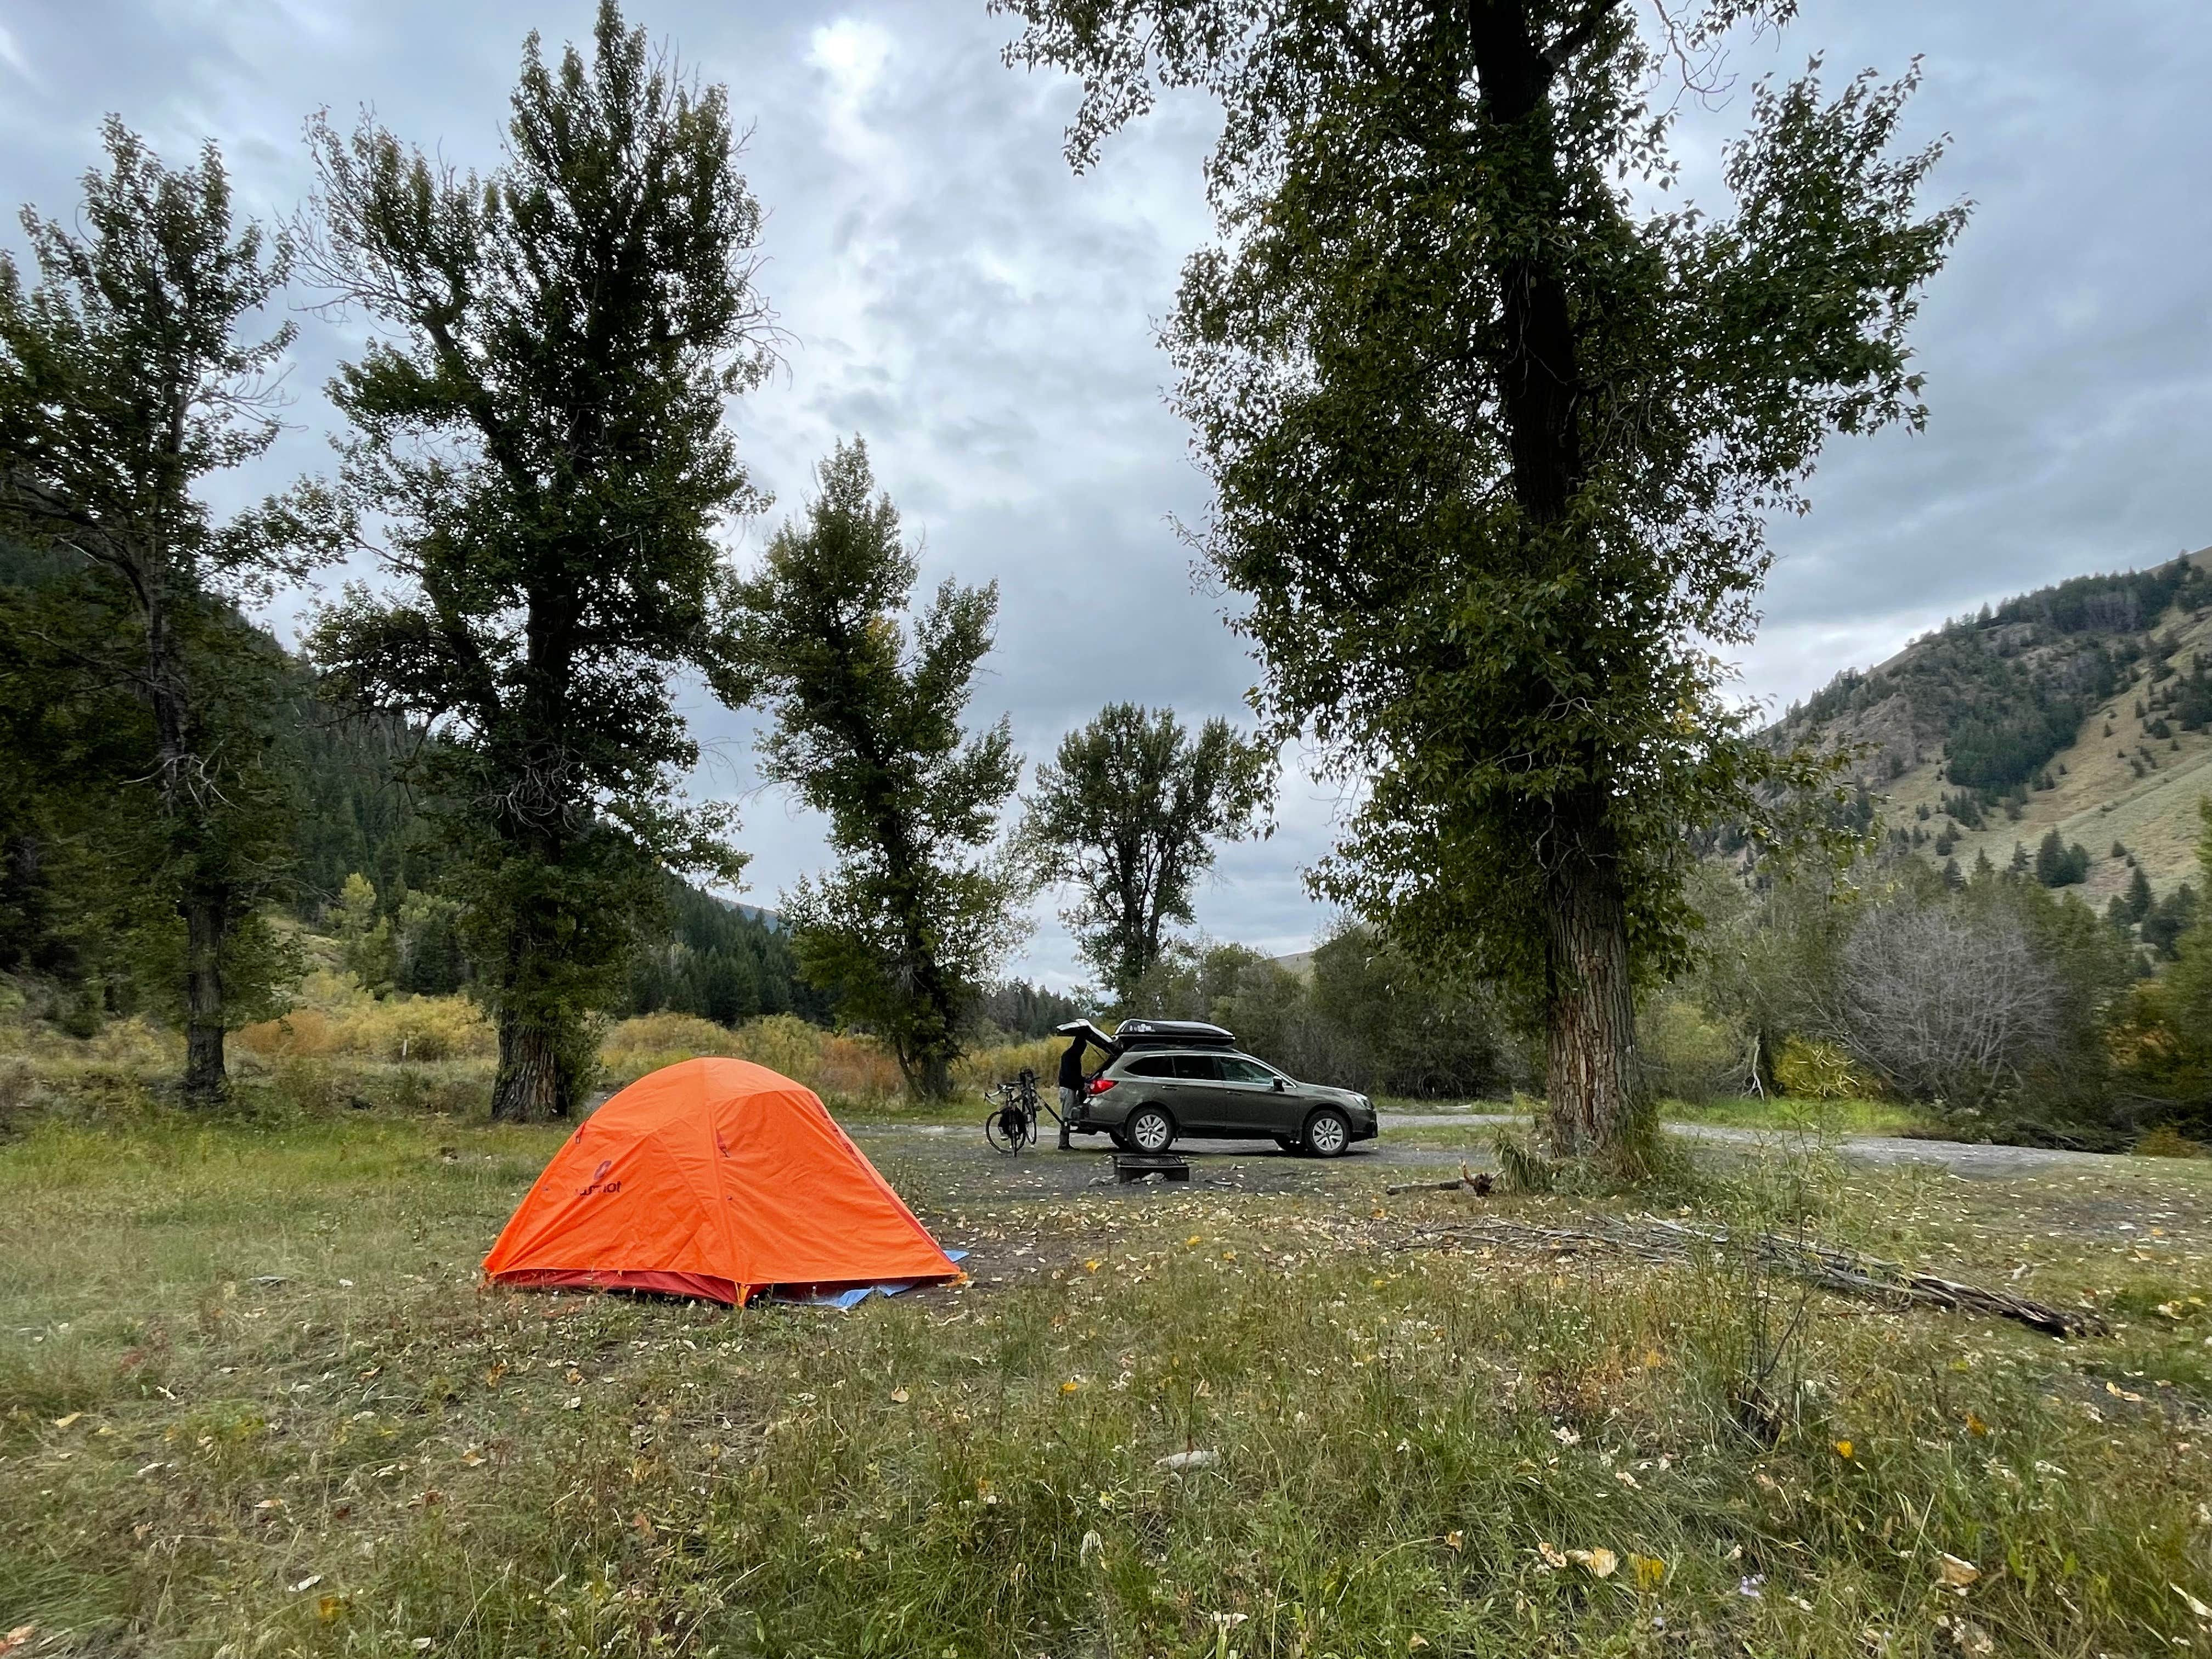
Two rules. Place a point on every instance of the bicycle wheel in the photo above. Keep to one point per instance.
(995, 1132)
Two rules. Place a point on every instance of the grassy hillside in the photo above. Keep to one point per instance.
(2085, 708)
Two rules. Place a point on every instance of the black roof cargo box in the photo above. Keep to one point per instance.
(1170, 1034)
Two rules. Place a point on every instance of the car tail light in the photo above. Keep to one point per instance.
(1099, 1085)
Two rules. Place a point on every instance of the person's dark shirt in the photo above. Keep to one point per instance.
(1071, 1064)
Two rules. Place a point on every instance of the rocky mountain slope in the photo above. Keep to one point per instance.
(2085, 708)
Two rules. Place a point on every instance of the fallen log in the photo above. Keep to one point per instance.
(1823, 1265)
(1477, 1184)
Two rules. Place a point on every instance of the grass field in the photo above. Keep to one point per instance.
(253, 1402)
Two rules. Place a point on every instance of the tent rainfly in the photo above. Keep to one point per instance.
(721, 1180)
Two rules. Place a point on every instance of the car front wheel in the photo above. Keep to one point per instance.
(1327, 1132)
(1149, 1130)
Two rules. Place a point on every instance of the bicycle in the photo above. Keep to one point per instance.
(1012, 1123)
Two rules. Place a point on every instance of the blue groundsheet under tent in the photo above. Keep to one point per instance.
(848, 1297)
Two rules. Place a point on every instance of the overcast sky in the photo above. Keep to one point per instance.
(987, 321)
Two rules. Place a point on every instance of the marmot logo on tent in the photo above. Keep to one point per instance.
(600, 1183)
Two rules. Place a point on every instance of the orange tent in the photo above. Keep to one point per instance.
(716, 1179)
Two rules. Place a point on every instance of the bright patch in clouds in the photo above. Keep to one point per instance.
(852, 55)
(12, 55)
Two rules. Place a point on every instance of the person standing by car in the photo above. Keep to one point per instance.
(1081, 1034)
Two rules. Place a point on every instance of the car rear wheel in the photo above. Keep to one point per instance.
(1327, 1132)
(1149, 1130)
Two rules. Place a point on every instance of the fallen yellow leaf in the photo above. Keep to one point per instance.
(898, 1396)
(329, 1607)
(1975, 1425)
(1844, 1449)
(63, 1422)
(1070, 1386)
(1552, 1559)
(1455, 1540)
(1650, 1571)
(1951, 1571)
(1091, 1265)
(1415, 1642)
(1601, 1561)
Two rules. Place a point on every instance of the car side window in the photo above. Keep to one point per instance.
(1246, 1071)
(1151, 1065)
(1202, 1068)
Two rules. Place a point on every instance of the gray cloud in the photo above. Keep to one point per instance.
(986, 320)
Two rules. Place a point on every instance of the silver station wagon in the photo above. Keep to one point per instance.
(1170, 1078)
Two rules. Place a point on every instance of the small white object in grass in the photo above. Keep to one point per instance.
(1091, 1541)
(1752, 1586)
(1188, 1460)
(2193, 1605)
(345, 1284)
(572, 1402)
(307, 1583)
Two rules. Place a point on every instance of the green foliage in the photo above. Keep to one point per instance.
(904, 932)
(1691, 1055)
(125, 385)
(1493, 446)
(1128, 814)
(2163, 1042)
(541, 422)
(721, 962)
(1369, 1015)
(1408, 1029)
(1020, 1009)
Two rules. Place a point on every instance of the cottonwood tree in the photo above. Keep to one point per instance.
(1494, 442)
(542, 426)
(922, 905)
(128, 378)
(1128, 813)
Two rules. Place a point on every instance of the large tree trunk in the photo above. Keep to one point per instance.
(1594, 1080)
(532, 1087)
(204, 905)
(205, 924)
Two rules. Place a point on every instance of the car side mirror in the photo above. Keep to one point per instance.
(1278, 1086)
